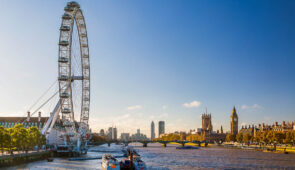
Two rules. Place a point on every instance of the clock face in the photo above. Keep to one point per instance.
(235, 119)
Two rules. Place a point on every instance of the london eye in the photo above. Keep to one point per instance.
(73, 81)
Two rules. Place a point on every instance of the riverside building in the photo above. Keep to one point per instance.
(161, 128)
(27, 122)
(153, 135)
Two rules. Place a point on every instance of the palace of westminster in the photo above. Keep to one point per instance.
(206, 132)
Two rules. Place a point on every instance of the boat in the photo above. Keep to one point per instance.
(50, 159)
(109, 162)
(128, 150)
(138, 163)
(187, 147)
(126, 164)
(132, 160)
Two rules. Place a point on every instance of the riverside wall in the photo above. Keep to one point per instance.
(16, 159)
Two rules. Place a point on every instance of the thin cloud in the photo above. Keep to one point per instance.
(254, 106)
(192, 104)
(164, 107)
(136, 107)
(164, 115)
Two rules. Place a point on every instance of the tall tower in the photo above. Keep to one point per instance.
(161, 128)
(206, 122)
(234, 128)
(153, 130)
(114, 133)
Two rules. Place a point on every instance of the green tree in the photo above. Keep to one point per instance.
(34, 137)
(2, 133)
(20, 137)
(8, 142)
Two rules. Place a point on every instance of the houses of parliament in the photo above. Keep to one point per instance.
(207, 133)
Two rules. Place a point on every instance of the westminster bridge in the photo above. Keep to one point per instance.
(146, 142)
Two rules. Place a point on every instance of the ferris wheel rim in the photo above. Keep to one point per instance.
(72, 14)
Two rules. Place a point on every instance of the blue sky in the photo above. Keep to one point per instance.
(154, 60)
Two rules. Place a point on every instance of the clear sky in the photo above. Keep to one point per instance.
(158, 60)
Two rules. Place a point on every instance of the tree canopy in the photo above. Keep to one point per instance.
(20, 138)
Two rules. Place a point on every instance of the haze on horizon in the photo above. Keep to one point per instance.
(154, 60)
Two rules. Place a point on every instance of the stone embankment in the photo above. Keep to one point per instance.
(16, 159)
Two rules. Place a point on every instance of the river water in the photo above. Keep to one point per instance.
(159, 158)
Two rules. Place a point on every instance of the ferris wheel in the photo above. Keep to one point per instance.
(74, 70)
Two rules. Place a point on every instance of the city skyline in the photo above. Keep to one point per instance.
(207, 54)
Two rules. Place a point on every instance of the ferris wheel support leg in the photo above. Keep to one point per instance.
(56, 111)
(50, 122)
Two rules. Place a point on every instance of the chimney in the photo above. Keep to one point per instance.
(29, 116)
(39, 117)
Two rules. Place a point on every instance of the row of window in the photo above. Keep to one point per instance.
(26, 124)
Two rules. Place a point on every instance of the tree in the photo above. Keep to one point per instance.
(270, 136)
(2, 133)
(289, 138)
(8, 142)
(264, 137)
(278, 137)
(293, 135)
(239, 137)
(24, 139)
(246, 138)
(258, 137)
(34, 137)
(230, 137)
(20, 137)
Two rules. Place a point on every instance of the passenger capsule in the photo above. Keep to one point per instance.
(66, 110)
(66, 16)
(63, 78)
(73, 4)
(65, 28)
(64, 95)
(69, 8)
(64, 43)
(63, 59)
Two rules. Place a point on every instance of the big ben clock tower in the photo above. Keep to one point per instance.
(234, 122)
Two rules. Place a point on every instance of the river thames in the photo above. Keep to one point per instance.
(159, 158)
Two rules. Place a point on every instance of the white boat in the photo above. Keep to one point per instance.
(109, 162)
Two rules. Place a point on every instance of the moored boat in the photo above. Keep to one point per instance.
(50, 159)
(132, 161)
(109, 162)
(138, 163)
(187, 147)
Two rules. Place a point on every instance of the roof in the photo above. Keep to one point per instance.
(23, 119)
